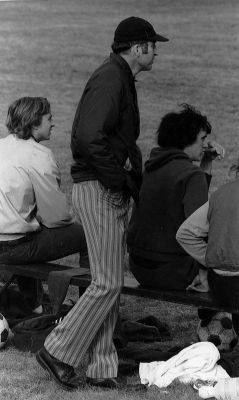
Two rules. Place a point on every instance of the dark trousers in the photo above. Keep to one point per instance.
(45, 245)
(226, 290)
(175, 273)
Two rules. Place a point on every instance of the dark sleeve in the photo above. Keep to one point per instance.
(196, 193)
(99, 117)
(208, 179)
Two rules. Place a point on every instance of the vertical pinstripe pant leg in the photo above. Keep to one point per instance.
(103, 358)
(91, 322)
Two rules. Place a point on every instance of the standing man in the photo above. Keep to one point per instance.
(106, 173)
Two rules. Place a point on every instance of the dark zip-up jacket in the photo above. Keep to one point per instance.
(105, 129)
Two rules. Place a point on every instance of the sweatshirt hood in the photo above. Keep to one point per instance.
(160, 156)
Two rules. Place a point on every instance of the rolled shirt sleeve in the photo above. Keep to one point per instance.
(192, 233)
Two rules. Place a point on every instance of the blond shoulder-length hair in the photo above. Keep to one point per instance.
(26, 113)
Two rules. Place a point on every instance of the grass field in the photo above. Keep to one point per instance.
(49, 48)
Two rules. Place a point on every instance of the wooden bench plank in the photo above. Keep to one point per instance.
(131, 286)
(38, 270)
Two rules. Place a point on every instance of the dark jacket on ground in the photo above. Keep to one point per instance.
(106, 127)
(173, 188)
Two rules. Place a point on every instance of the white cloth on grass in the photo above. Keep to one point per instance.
(198, 361)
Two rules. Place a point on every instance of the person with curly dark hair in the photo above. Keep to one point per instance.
(173, 188)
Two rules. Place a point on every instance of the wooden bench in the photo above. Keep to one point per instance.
(131, 286)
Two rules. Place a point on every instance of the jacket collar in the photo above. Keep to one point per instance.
(117, 59)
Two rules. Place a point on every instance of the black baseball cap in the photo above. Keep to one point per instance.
(134, 28)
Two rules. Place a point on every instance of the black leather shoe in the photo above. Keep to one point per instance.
(63, 374)
(112, 383)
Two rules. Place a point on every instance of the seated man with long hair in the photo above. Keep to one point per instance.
(35, 222)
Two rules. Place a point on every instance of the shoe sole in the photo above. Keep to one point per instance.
(138, 388)
(46, 367)
(102, 386)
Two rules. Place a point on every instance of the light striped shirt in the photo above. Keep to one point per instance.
(30, 192)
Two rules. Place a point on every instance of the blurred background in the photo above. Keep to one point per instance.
(50, 47)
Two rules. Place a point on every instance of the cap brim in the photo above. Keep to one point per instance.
(159, 38)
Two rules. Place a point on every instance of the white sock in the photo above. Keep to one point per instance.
(38, 310)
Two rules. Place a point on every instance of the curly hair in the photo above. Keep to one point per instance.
(26, 113)
(182, 128)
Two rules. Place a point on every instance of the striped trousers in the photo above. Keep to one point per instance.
(89, 326)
